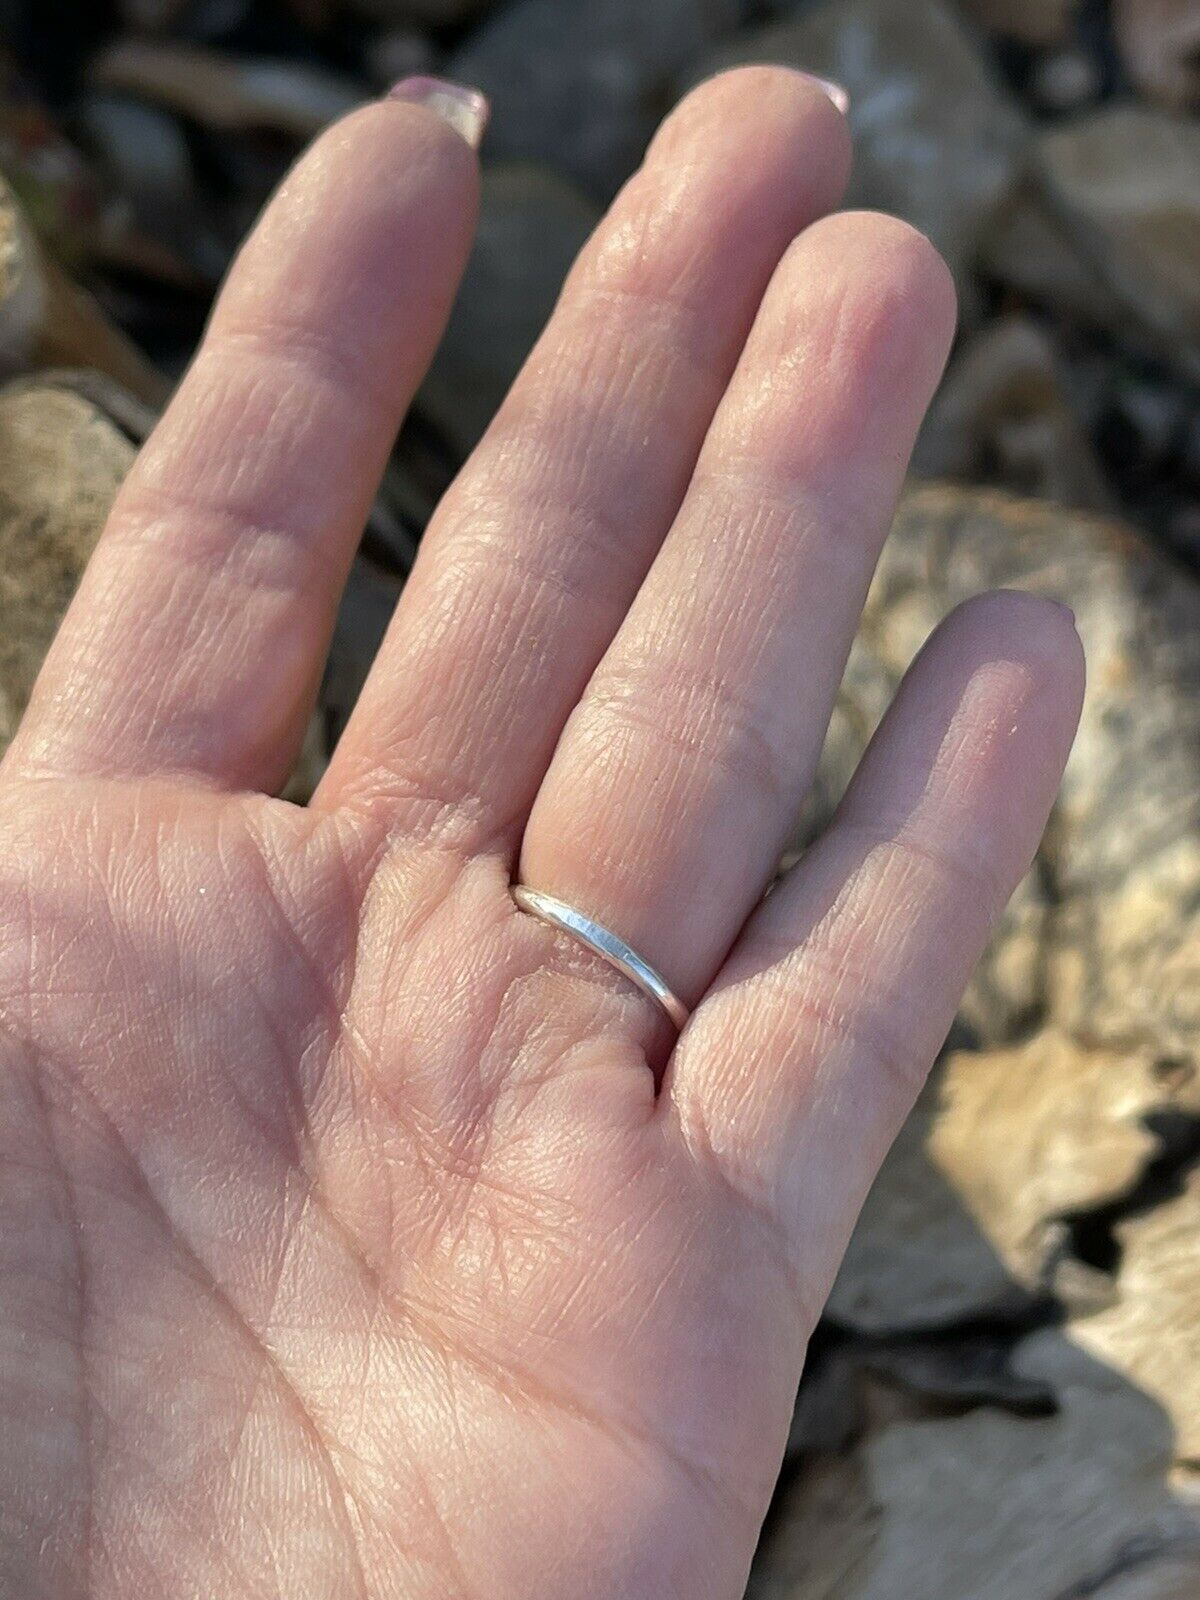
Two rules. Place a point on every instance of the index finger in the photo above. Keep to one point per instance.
(197, 637)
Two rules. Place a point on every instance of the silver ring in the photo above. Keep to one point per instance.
(605, 943)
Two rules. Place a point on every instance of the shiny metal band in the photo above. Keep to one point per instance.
(605, 943)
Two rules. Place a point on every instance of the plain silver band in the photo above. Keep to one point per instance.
(605, 943)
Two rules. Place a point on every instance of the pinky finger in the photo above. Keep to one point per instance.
(805, 1057)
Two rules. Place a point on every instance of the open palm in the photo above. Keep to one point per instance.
(360, 1234)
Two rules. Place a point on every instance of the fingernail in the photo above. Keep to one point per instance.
(466, 110)
(835, 92)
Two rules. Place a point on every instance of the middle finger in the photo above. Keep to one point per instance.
(534, 555)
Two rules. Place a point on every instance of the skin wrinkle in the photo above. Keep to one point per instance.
(254, 1116)
(661, 351)
(473, 1119)
(333, 1477)
(481, 548)
(282, 567)
(320, 358)
(150, 703)
(448, 829)
(104, 1123)
(707, 1161)
(78, 1291)
(747, 496)
(692, 711)
(281, 416)
(203, 1279)
(312, 1197)
(558, 450)
(330, 994)
(524, 1386)
(629, 1432)
(406, 801)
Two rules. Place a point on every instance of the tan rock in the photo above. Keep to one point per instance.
(61, 461)
(1030, 249)
(965, 1219)
(1151, 1333)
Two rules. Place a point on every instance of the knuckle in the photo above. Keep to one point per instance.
(698, 716)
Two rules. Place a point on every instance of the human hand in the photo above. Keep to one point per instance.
(360, 1233)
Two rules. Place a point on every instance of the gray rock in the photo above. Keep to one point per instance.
(143, 149)
(422, 13)
(531, 228)
(220, 91)
(994, 1506)
(1004, 415)
(584, 85)
(400, 53)
(1033, 22)
(366, 609)
(935, 139)
(1067, 80)
(1159, 44)
(1126, 183)
(1030, 249)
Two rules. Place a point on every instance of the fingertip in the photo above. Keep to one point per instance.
(411, 140)
(902, 266)
(1038, 630)
(774, 99)
(979, 732)
(388, 194)
(461, 108)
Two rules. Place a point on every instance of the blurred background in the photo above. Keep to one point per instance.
(1003, 1401)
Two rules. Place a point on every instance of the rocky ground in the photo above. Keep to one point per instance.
(1003, 1402)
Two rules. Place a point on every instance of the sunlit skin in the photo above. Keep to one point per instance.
(360, 1234)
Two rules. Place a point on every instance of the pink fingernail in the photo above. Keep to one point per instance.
(835, 92)
(466, 110)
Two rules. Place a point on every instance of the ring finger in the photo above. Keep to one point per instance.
(679, 773)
